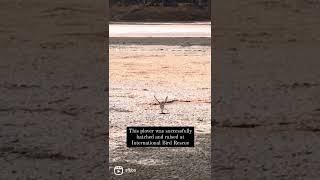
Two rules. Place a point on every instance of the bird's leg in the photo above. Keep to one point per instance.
(162, 107)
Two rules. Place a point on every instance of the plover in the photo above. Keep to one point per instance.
(161, 104)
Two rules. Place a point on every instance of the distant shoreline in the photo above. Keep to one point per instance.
(166, 41)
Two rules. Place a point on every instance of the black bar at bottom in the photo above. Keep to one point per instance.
(160, 136)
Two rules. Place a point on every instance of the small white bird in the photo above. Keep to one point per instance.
(162, 104)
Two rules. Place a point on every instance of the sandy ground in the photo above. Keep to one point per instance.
(140, 70)
(267, 90)
(53, 76)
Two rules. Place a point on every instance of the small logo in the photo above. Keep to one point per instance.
(118, 170)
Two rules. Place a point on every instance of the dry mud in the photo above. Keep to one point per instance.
(266, 90)
(180, 70)
(52, 105)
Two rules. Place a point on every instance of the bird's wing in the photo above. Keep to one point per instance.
(156, 99)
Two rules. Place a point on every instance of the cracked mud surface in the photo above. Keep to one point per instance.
(267, 94)
(52, 102)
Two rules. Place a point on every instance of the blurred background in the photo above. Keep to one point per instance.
(160, 10)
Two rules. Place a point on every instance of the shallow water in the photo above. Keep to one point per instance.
(202, 29)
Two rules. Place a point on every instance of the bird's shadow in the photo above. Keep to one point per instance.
(163, 113)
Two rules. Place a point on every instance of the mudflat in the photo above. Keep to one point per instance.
(53, 98)
(266, 90)
(141, 68)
